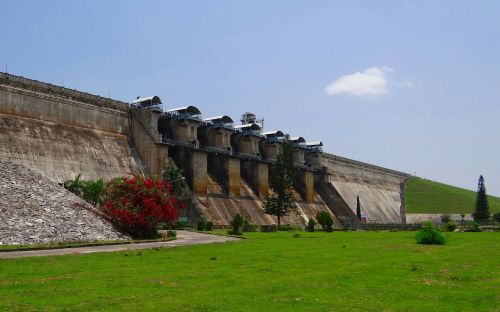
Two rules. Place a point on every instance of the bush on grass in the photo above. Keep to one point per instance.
(429, 235)
(325, 221)
(450, 226)
(247, 227)
(310, 225)
(268, 228)
(138, 205)
(200, 226)
(236, 223)
(171, 234)
(285, 228)
(473, 227)
(209, 225)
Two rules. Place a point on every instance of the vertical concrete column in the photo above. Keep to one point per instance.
(233, 176)
(256, 174)
(298, 156)
(262, 179)
(315, 160)
(161, 154)
(198, 169)
(305, 185)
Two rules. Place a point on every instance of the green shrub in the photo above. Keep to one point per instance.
(247, 227)
(209, 225)
(296, 235)
(325, 221)
(180, 225)
(171, 234)
(75, 186)
(310, 225)
(445, 218)
(429, 235)
(92, 191)
(473, 227)
(285, 228)
(268, 228)
(496, 217)
(200, 226)
(450, 226)
(236, 223)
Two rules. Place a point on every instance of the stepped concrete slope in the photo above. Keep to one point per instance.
(33, 210)
(220, 208)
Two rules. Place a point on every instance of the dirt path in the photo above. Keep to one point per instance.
(183, 238)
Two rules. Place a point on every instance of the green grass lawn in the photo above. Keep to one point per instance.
(340, 271)
(424, 196)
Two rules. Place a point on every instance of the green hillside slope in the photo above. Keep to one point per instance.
(424, 196)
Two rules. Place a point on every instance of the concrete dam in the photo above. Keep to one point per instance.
(60, 133)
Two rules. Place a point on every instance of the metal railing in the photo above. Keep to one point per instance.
(179, 143)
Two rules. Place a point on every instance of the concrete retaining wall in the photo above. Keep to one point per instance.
(379, 189)
(61, 133)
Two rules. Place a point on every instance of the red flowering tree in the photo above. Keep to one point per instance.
(138, 204)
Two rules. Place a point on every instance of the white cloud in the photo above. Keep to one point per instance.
(371, 81)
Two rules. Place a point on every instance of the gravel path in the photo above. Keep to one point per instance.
(183, 238)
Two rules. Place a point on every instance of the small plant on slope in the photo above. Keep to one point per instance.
(310, 225)
(92, 191)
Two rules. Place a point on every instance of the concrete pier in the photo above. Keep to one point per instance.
(257, 175)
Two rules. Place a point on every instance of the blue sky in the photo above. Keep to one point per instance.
(410, 85)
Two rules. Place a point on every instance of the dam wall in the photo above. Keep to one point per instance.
(61, 133)
(380, 190)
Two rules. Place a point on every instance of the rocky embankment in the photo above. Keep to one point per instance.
(35, 210)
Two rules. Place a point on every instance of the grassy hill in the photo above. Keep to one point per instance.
(424, 196)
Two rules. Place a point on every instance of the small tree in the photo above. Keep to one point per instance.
(236, 223)
(324, 220)
(310, 225)
(482, 212)
(358, 208)
(281, 202)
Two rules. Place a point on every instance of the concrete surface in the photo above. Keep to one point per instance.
(60, 152)
(183, 238)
